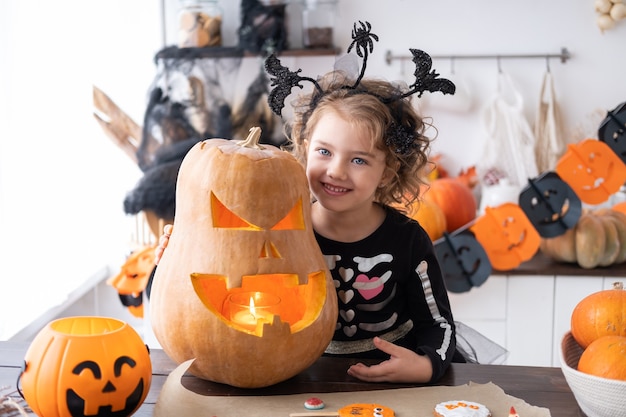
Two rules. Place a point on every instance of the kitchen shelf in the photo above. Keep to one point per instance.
(173, 52)
(541, 264)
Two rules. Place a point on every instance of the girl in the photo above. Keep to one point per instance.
(392, 298)
(363, 147)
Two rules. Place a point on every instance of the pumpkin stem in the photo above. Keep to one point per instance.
(252, 141)
(618, 285)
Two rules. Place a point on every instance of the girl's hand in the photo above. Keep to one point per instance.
(403, 365)
(163, 241)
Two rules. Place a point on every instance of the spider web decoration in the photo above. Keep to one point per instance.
(191, 99)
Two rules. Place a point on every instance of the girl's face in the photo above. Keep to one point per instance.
(343, 168)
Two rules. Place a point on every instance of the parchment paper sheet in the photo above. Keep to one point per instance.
(176, 400)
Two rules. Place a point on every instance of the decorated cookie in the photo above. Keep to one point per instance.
(314, 403)
(461, 409)
(366, 410)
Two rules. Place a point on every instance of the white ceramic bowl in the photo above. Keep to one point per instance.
(597, 397)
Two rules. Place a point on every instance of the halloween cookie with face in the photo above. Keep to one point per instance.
(461, 409)
(366, 410)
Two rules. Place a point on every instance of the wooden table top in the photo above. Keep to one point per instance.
(538, 386)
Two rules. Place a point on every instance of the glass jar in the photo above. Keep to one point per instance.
(199, 24)
(318, 21)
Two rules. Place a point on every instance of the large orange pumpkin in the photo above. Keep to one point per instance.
(455, 199)
(86, 366)
(602, 313)
(605, 357)
(243, 224)
(430, 216)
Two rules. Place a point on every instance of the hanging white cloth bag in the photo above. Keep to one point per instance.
(509, 147)
(549, 135)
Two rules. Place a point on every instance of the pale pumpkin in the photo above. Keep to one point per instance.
(597, 240)
(243, 223)
(619, 220)
(602, 313)
(605, 357)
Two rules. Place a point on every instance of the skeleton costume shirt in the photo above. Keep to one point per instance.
(390, 285)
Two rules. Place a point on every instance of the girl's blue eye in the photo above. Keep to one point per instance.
(359, 161)
(324, 151)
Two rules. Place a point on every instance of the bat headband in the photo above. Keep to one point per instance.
(401, 137)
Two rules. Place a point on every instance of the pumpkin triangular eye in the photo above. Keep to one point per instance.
(294, 220)
(225, 218)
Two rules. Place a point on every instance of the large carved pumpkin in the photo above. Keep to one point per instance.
(242, 224)
(602, 313)
(86, 366)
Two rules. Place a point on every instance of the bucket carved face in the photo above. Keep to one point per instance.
(242, 230)
(86, 366)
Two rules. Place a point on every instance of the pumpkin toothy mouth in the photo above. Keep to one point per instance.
(300, 303)
(76, 404)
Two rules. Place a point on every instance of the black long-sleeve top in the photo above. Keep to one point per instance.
(390, 285)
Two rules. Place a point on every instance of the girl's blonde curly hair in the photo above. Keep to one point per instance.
(364, 109)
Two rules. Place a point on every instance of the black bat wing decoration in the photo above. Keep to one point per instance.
(426, 79)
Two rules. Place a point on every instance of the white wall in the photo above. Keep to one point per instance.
(62, 181)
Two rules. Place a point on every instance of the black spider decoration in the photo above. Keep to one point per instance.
(362, 39)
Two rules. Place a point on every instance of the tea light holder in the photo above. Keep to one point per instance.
(247, 309)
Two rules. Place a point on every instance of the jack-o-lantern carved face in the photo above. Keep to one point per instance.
(242, 225)
(86, 366)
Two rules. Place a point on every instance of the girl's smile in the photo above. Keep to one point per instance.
(344, 168)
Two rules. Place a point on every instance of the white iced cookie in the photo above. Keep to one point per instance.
(461, 409)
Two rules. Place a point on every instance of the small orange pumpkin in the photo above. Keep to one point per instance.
(430, 216)
(602, 313)
(86, 366)
(243, 224)
(605, 357)
(455, 199)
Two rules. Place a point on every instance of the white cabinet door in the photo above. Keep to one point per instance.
(530, 301)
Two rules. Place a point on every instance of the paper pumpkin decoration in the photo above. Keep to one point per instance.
(592, 169)
(550, 204)
(86, 366)
(507, 236)
(133, 278)
(243, 225)
(463, 260)
(612, 131)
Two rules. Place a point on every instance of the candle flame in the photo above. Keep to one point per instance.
(252, 309)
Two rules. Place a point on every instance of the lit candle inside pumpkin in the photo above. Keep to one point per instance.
(248, 308)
